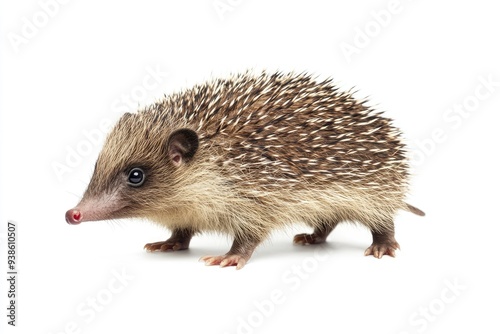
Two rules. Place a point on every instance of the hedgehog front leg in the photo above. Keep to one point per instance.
(238, 255)
(179, 240)
(384, 243)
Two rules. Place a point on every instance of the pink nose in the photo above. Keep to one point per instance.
(73, 217)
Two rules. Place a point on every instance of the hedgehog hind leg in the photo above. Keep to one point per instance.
(383, 243)
(318, 236)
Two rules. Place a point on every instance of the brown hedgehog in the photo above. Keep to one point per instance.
(250, 154)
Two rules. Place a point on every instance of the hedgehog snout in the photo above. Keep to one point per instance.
(73, 217)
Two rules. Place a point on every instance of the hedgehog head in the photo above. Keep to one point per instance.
(140, 166)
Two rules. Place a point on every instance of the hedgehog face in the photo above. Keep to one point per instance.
(131, 179)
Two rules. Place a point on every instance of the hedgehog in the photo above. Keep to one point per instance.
(249, 154)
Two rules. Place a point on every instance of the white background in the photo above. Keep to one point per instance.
(421, 64)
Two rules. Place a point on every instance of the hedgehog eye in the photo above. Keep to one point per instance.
(136, 177)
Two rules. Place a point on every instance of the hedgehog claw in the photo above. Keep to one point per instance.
(225, 260)
(379, 249)
(308, 239)
(166, 246)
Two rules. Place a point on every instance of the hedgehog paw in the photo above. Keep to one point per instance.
(166, 246)
(379, 249)
(225, 260)
(308, 239)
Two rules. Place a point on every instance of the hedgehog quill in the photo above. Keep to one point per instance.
(250, 154)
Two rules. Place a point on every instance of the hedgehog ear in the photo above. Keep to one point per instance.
(182, 146)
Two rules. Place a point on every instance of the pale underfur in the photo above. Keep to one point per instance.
(210, 204)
